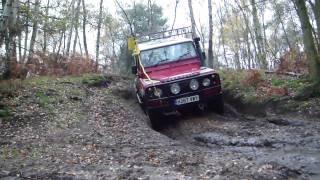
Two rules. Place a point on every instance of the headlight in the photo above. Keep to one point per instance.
(175, 88)
(149, 92)
(194, 84)
(206, 82)
(157, 92)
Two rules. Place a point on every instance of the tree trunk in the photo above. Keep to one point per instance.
(193, 22)
(308, 40)
(26, 36)
(34, 30)
(98, 36)
(81, 53)
(316, 11)
(222, 37)
(249, 55)
(279, 16)
(8, 33)
(84, 22)
(175, 14)
(317, 17)
(44, 48)
(60, 41)
(248, 29)
(19, 42)
(19, 47)
(258, 36)
(71, 28)
(210, 52)
(76, 27)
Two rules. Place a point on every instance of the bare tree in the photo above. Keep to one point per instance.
(316, 11)
(248, 30)
(26, 31)
(76, 27)
(175, 13)
(71, 28)
(308, 40)
(8, 31)
(210, 52)
(45, 30)
(220, 16)
(258, 36)
(98, 35)
(84, 21)
(193, 22)
(34, 30)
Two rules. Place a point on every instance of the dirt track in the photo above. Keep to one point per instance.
(110, 139)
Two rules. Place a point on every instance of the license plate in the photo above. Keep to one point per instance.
(187, 100)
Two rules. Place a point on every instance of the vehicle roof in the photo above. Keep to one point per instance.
(162, 42)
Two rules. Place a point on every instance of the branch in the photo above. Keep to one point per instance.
(126, 15)
(175, 13)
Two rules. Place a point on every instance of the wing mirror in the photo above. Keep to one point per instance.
(197, 39)
(204, 55)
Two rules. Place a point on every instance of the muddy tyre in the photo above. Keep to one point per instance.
(155, 118)
(217, 105)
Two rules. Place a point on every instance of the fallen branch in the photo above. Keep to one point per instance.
(291, 74)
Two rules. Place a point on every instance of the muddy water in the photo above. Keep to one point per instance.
(291, 144)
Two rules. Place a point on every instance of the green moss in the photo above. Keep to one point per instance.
(94, 80)
(277, 82)
(39, 80)
(5, 113)
(9, 153)
(46, 101)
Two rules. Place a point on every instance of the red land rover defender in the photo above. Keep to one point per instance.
(170, 75)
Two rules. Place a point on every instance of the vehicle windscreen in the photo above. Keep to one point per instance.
(167, 54)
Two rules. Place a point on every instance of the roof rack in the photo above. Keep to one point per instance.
(165, 34)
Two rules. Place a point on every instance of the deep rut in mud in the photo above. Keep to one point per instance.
(287, 144)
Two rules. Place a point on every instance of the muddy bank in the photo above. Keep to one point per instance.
(286, 105)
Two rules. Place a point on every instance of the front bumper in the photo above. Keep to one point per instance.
(168, 103)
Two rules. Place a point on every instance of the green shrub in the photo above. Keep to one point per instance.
(94, 80)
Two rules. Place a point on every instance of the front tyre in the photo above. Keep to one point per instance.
(155, 118)
(217, 105)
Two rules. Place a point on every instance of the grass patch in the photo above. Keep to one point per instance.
(9, 153)
(5, 112)
(94, 80)
(39, 80)
(45, 100)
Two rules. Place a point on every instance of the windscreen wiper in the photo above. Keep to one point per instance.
(163, 60)
(180, 57)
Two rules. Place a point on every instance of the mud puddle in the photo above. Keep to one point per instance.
(288, 144)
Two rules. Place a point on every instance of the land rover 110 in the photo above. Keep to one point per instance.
(170, 75)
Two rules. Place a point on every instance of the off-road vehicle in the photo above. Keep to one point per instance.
(170, 74)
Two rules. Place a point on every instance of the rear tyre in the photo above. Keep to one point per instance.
(217, 105)
(155, 118)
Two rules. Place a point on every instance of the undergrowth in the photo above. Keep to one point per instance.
(95, 80)
(255, 86)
